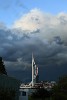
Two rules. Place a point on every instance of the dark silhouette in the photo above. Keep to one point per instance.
(2, 67)
(41, 94)
(9, 87)
(60, 90)
(7, 95)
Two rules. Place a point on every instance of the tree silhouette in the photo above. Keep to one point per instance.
(7, 95)
(60, 90)
(2, 67)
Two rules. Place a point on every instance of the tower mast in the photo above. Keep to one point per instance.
(32, 71)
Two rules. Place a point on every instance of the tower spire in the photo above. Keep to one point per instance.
(32, 71)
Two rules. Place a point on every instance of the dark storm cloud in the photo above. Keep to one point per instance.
(17, 51)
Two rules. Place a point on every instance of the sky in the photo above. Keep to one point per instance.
(38, 26)
(14, 9)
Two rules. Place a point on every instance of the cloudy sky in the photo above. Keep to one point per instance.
(38, 26)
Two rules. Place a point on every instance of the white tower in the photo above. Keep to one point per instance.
(34, 71)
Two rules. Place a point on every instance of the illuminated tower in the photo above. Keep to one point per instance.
(34, 72)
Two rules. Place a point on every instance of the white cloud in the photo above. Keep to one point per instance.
(48, 24)
(29, 21)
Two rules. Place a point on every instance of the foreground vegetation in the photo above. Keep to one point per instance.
(9, 87)
(58, 92)
(7, 95)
